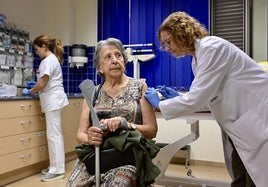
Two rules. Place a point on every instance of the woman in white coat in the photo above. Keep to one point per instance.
(234, 87)
(52, 99)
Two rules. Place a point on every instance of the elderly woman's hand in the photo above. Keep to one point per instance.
(95, 136)
(111, 124)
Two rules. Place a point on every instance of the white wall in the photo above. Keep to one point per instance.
(86, 22)
(260, 41)
(74, 21)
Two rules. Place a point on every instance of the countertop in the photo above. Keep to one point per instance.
(36, 97)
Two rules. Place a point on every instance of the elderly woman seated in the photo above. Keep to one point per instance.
(119, 102)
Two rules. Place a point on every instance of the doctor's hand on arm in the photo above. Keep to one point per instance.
(167, 92)
(152, 97)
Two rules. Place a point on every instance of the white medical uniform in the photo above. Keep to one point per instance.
(53, 99)
(236, 90)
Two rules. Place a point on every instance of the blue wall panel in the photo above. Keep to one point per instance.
(143, 17)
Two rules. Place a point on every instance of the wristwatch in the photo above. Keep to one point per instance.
(133, 126)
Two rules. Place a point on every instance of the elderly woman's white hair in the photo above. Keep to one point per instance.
(108, 42)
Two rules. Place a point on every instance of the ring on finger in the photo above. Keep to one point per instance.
(93, 138)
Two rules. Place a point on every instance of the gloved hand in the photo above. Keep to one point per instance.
(30, 84)
(152, 96)
(26, 91)
(167, 92)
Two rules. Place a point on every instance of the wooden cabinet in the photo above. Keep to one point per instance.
(23, 143)
(22, 134)
(70, 123)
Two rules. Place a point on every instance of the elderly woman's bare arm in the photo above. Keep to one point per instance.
(149, 126)
(82, 136)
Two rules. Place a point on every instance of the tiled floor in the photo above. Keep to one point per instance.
(207, 172)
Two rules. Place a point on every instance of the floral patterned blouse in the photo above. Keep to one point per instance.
(126, 104)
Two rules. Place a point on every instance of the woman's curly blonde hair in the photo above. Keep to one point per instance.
(183, 28)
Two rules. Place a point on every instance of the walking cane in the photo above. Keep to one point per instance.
(88, 89)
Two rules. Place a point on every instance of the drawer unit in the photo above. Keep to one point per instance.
(19, 108)
(21, 142)
(22, 134)
(19, 125)
(24, 158)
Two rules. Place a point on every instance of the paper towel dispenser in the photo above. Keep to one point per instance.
(78, 55)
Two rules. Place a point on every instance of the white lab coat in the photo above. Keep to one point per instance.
(236, 90)
(53, 99)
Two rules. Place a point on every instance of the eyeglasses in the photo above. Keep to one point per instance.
(166, 43)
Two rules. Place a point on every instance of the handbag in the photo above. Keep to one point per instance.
(109, 159)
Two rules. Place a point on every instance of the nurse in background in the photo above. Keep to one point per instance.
(234, 87)
(52, 99)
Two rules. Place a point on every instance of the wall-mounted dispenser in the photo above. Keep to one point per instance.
(78, 55)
